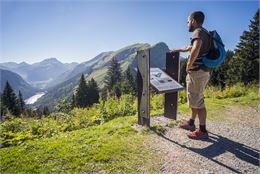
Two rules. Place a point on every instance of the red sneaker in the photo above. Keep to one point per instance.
(185, 125)
(198, 134)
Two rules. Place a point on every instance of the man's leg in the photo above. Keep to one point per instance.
(200, 133)
(200, 79)
(189, 125)
(194, 113)
(202, 114)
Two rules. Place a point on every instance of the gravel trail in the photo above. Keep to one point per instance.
(233, 145)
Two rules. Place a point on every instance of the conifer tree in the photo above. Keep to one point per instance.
(128, 84)
(220, 76)
(244, 67)
(9, 100)
(64, 105)
(117, 91)
(113, 76)
(21, 102)
(73, 102)
(93, 92)
(82, 93)
(2, 107)
(46, 110)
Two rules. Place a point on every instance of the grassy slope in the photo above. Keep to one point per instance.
(215, 107)
(114, 147)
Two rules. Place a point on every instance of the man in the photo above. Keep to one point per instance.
(197, 75)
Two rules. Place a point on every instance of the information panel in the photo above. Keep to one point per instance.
(163, 82)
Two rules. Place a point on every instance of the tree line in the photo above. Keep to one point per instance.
(13, 105)
(116, 83)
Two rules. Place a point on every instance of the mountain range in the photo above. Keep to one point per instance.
(17, 83)
(60, 80)
(97, 68)
(39, 74)
(84, 67)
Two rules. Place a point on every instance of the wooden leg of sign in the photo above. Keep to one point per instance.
(143, 81)
(171, 99)
(170, 105)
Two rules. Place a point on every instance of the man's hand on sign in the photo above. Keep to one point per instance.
(185, 49)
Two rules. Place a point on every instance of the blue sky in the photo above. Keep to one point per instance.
(75, 31)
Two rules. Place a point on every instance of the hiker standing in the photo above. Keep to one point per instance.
(198, 75)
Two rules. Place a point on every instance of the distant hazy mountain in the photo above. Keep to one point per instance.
(17, 83)
(97, 68)
(17, 68)
(41, 73)
(84, 68)
(70, 66)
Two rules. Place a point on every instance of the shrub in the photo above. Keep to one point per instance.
(157, 102)
(14, 125)
(126, 106)
(233, 91)
(17, 130)
(114, 107)
(111, 108)
(211, 91)
(84, 117)
(12, 139)
(182, 96)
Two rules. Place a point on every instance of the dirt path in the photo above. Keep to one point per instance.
(233, 145)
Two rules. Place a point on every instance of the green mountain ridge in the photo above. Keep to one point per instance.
(84, 67)
(126, 56)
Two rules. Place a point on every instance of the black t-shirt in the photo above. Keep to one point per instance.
(200, 33)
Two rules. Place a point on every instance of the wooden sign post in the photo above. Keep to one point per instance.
(171, 98)
(162, 82)
(143, 87)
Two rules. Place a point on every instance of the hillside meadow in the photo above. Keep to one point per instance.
(102, 138)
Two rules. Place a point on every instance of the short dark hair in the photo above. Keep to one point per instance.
(198, 16)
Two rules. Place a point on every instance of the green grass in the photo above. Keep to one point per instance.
(216, 107)
(173, 123)
(114, 147)
(216, 101)
(70, 144)
(156, 128)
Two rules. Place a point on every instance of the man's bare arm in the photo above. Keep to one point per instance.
(194, 53)
(185, 49)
